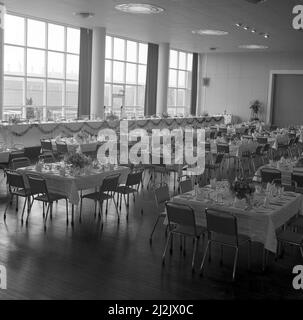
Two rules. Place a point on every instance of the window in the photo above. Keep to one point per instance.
(41, 68)
(125, 76)
(179, 86)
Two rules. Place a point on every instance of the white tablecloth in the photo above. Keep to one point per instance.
(258, 225)
(69, 186)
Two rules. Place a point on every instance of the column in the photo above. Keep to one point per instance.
(2, 12)
(98, 70)
(163, 69)
(201, 88)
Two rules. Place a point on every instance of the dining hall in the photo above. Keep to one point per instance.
(151, 151)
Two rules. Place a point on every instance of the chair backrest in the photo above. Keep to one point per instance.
(186, 186)
(16, 154)
(297, 177)
(180, 214)
(259, 150)
(47, 158)
(262, 140)
(270, 174)
(266, 147)
(134, 178)
(219, 158)
(61, 147)
(14, 179)
(212, 135)
(207, 147)
(222, 148)
(110, 183)
(221, 222)
(20, 163)
(37, 185)
(161, 195)
(46, 145)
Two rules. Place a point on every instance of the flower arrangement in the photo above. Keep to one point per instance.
(112, 117)
(165, 115)
(242, 189)
(77, 160)
(81, 136)
(255, 109)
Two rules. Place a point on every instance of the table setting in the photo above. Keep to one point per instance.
(259, 211)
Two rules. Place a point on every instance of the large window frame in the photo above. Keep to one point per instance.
(113, 101)
(177, 108)
(45, 111)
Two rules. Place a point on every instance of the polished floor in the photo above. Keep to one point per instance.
(117, 261)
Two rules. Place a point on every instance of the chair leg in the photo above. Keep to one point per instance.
(23, 210)
(194, 253)
(80, 214)
(51, 211)
(151, 235)
(249, 255)
(11, 197)
(204, 257)
(235, 263)
(66, 206)
(165, 249)
(46, 215)
(116, 206)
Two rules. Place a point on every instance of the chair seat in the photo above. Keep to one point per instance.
(51, 197)
(230, 240)
(97, 196)
(290, 237)
(298, 222)
(189, 230)
(211, 166)
(22, 192)
(126, 190)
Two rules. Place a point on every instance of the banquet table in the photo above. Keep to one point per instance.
(30, 133)
(259, 223)
(237, 149)
(72, 145)
(286, 169)
(70, 186)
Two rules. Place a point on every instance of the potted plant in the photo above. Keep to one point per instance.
(255, 110)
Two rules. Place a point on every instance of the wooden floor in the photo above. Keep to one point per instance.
(118, 262)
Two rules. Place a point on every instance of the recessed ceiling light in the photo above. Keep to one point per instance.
(138, 8)
(84, 14)
(245, 27)
(210, 32)
(239, 24)
(266, 35)
(252, 46)
(253, 30)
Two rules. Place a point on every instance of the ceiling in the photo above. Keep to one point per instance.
(180, 17)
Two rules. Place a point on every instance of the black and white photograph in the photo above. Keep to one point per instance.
(151, 153)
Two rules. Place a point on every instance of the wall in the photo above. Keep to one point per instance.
(236, 79)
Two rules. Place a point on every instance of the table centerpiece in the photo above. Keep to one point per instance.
(243, 189)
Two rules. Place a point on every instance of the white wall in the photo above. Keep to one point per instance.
(236, 79)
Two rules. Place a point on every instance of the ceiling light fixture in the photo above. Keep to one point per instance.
(209, 32)
(84, 15)
(253, 47)
(245, 27)
(266, 35)
(138, 8)
(238, 24)
(253, 30)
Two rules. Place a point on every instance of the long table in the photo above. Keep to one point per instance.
(260, 224)
(29, 134)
